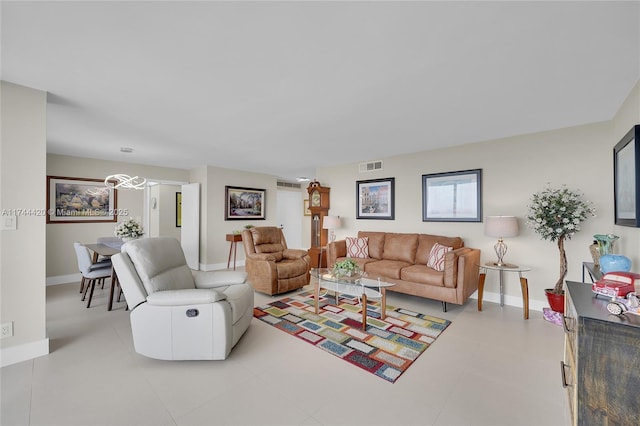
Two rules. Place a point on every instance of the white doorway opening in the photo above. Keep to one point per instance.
(290, 217)
(172, 209)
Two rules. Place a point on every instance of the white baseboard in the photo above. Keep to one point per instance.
(19, 353)
(64, 279)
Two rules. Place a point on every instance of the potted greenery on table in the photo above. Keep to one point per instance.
(556, 214)
(347, 268)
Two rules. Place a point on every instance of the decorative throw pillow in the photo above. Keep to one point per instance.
(358, 247)
(436, 256)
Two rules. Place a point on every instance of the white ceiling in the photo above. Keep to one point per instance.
(285, 87)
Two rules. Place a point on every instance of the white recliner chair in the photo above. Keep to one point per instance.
(177, 313)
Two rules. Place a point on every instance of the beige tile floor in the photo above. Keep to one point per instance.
(487, 368)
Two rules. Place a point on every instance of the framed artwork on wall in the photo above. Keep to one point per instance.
(80, 200)
(375, 199)
(626, 179)
(305, 208)
(178, 209)
(452, 196)
(244, 203)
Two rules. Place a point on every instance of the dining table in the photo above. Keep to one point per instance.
(98, 250)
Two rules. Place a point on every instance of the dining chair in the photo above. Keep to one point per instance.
(91, 272)
(104, 262)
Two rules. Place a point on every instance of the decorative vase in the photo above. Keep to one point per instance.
(556, 301)
(595, 253)
(605, 243)
(614, 262)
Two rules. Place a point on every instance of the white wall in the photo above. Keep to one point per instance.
(154, 214)
(22, 251)
(166, 211)
(513, 169)
(214, 247)
(61, 263)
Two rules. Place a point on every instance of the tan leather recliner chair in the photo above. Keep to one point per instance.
(272, 267)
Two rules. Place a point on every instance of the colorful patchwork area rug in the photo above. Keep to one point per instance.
(387, 348)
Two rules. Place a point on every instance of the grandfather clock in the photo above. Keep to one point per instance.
(319, 207)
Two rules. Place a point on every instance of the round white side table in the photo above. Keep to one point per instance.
(502, 269)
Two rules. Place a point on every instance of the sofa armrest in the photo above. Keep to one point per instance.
(452, 265)
(468, 271)
(451, 268)
(212, 279)
(335, 250)
(261, 256)
(191, 296)
(294, 253)
(262, 270)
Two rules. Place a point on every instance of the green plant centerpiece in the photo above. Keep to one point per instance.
(556, 214)
(346, 268)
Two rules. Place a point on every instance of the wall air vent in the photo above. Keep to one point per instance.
(288, 185)
(370, 166)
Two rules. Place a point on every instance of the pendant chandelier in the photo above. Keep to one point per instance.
(124, 181)
(121, 180)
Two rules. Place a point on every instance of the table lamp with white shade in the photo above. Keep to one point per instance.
(331, 223)
(501, 227)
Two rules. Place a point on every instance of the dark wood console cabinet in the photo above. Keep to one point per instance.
(601, 367)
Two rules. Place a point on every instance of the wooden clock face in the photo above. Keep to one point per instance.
(315, 199)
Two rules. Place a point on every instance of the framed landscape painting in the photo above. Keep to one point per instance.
(244, 203)
(78, 200)
(375, 199)
(452, 196)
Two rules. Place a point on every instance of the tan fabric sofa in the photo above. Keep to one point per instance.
(402, 259)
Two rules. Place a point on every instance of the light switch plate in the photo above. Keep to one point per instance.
(9, 223)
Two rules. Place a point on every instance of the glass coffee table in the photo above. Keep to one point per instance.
(360, 286)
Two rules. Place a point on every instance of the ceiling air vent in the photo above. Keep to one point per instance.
(370, 166)
(288, 185)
